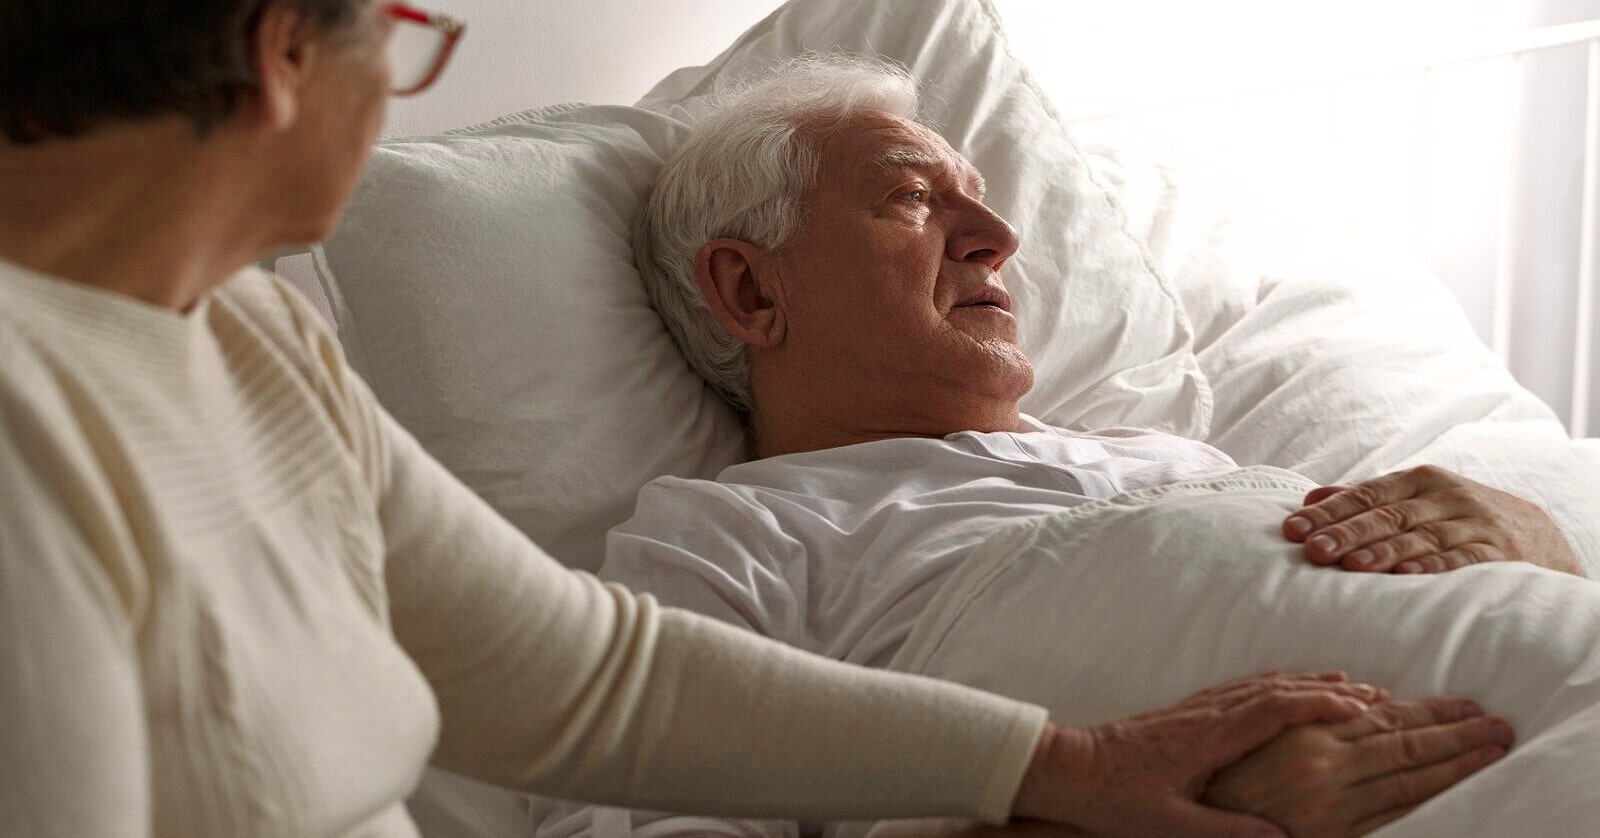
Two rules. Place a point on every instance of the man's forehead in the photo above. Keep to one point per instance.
(871, 145)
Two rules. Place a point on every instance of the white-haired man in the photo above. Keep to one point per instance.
(828, 264)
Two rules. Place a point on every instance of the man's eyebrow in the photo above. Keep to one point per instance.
(904, 158)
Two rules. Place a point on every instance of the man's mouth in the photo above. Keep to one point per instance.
(991, 296)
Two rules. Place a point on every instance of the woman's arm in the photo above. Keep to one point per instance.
(73, 750)
(550, 681)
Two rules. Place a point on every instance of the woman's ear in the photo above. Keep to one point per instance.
(729, 273)
(279, 54)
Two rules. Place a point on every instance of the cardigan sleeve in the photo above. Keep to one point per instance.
(73, 753)
(550, 681)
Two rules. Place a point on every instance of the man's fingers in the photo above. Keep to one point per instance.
(1409, 788)
(1422, 515)
(1402, 750)
(1352, 500)
(1453, 559)
(1403, 715)
(1345, 502)
(1427, 538)
(1321, 493)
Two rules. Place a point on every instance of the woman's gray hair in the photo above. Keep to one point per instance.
(745, 173)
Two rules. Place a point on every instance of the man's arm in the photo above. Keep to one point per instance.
(1425, 520)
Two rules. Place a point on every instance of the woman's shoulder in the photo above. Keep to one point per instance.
(275, 307)
(256, 306)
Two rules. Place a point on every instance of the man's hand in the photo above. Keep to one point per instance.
(1425, 520)
(1347, 779)
(1145, 775)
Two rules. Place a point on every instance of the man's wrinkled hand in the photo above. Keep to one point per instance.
(1349, 778)
(1425, 520)
(1145, 775)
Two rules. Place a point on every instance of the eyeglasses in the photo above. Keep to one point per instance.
(419, 47)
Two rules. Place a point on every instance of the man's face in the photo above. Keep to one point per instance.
(891, 288)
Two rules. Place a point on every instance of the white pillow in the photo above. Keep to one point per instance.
(483, 283)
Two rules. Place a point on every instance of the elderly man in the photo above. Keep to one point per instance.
(828, 264)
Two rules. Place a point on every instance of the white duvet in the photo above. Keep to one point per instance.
(1126, 605)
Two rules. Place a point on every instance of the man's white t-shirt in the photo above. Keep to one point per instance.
(838, 551)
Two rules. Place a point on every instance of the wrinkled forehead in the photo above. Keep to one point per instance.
(871, 146)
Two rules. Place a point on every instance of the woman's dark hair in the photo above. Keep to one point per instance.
(70, 66)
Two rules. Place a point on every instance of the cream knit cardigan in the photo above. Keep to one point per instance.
(236, 599)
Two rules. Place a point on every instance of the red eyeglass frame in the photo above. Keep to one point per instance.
(448, 27)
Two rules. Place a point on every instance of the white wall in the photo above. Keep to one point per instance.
(519, 54)
(1372, 167)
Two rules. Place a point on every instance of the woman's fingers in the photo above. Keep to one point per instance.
(1251, 686)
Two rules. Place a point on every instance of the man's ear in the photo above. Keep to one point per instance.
(729, 272)
(280, 55)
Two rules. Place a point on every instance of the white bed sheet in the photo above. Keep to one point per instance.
(1345, 365)
(1127, 605)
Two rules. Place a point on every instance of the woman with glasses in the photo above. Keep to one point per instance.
(236, 599)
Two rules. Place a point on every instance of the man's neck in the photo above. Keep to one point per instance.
(788, 426)
(146, 210)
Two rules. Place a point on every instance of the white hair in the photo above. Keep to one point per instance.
(744, 173)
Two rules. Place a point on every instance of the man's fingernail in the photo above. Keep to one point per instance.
(1500, 732)
(1323, 542)
(1408, 567)
(1490, 754)
(1470, 709)
(1360, 557)
(1297, 526)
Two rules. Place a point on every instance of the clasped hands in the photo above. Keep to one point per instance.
(1310, 755)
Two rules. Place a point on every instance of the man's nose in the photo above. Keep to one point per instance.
(982, 236)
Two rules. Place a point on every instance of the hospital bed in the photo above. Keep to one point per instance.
(482, 282)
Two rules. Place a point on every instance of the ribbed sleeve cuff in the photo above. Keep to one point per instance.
(1011, 762)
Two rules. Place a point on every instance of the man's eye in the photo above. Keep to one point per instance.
(916, 196)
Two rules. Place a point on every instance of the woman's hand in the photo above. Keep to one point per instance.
(1145, 775)
(1352, 777)
(1425, 520)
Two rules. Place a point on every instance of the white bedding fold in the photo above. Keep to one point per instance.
(1126, 605)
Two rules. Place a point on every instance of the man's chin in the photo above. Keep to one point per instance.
(984, 323)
